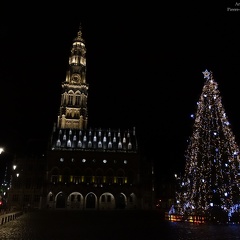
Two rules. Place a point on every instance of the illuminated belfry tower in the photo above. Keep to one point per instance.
(71, 130)
(73, 112)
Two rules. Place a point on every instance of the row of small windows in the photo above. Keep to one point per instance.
(93, 160)
(109, 134)
(76, 59)
(94, 144)
(74, 99)
(89, 179)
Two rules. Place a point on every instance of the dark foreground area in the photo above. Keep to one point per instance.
(106, 225)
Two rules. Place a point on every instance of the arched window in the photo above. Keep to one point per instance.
(99, 176)
(69, 143)
(58, 143)
(120, 176)
(119, 145)
(109, 176)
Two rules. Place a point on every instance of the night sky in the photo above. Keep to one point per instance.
(144, 69)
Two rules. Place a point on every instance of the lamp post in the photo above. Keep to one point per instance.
(4, 178)
(2, 165)
(1, 150)
(1, 187)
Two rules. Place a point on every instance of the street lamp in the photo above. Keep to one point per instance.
(1, 150)
(1, 187)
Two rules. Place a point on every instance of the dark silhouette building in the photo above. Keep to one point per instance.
(82, 167)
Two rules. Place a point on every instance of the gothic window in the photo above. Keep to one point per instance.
(66, 176)
(54, 178)
(88, 176)
(77, 100)
(129, 146)
(83, 61)
(119, 145)
(99, 177)
(109, 144)
(89, 144)
(58, 143)
(109, 176)
(120, 180)
(120, 176)
(99, 144)
(70, 100)
(79, 144)
(69, 144)
(77, 179)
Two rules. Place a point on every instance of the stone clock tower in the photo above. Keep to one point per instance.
(73, 112)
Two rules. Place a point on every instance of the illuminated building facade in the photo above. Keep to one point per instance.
(87, 168)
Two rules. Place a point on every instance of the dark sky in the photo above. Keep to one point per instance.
(144, 69)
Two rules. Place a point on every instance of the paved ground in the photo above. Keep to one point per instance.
(109, 225)
(83, 225)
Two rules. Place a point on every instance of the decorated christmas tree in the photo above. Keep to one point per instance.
(209, 185)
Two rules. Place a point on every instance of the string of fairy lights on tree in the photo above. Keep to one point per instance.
(210, 178)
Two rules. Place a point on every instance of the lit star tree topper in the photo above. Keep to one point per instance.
(206, 74)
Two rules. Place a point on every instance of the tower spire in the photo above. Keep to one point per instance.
(79, 34)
